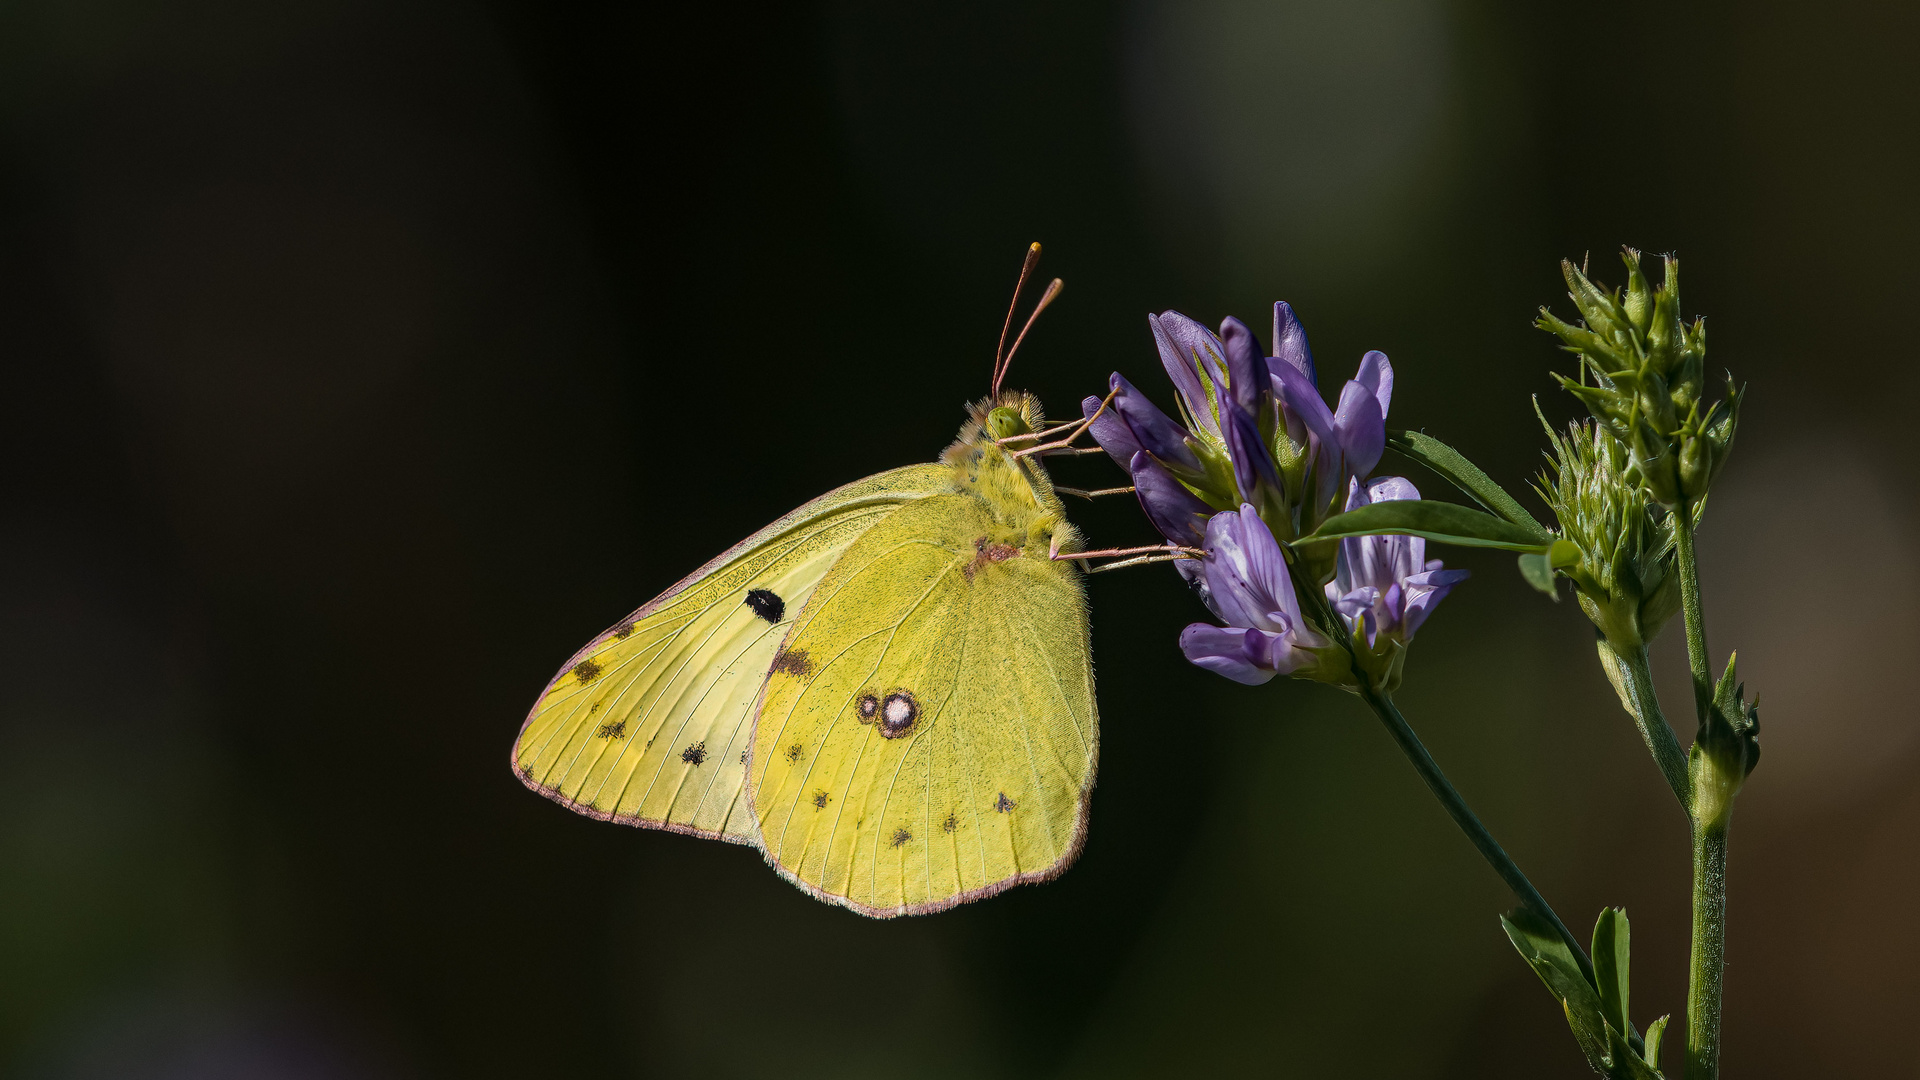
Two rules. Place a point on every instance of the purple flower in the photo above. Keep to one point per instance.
(1248, 586)
(1385, 585)
(1290, 341)
(1341, 444)
(1180, 515)
(1131, 424)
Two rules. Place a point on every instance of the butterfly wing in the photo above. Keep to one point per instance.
(648, 724)
(938, 744)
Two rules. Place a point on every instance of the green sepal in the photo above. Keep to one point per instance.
(1610, 945)
(1453, 467)
(1444, 522)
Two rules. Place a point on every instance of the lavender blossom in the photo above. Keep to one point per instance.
(1249, 588)
(1253, 428)
(1384, 587)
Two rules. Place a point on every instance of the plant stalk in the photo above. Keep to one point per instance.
(1708, 964)
(1633, 673)
(1689, 568)
(1712, 807)
(1490, 849)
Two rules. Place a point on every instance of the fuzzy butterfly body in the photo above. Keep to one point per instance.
(889, 690)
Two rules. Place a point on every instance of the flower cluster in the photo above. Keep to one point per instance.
(1259, 460)
(1649, 379)
(1625, 578)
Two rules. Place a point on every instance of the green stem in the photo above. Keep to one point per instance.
(1490, 849)
(1690, 607)
(1713, 793)
(1635, 682)
(1709, 949)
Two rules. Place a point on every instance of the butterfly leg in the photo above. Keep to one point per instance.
(1151, 553)
(1077, 429)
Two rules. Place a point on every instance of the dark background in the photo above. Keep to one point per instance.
(363, 360)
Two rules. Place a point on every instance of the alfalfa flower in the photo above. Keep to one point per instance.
(1253, 429)
(1249, 587)
(1384, 587)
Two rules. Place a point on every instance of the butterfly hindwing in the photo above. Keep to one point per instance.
(648, 724)
(937, 742)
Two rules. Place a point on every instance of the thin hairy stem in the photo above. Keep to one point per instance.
(1633, 677)
(1709, 960)
(1712, 807)
(1464, 817)
(1689, 568)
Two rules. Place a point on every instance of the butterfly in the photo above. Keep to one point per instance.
(888, 691)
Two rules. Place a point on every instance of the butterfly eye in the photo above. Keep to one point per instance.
(1004, 422)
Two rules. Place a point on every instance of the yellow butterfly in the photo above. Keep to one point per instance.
(888, 691)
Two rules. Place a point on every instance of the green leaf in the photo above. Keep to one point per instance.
(1654, 1031)
(1627, 1064)
(1537, 568)
(1550, 959)
(1610, 944)
(1591, 1015)
(1463, 474)
(1447, 523)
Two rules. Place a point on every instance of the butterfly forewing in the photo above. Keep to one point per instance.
(938, 743)
(649, 723)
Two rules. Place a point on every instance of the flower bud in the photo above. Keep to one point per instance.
(1624, 578)
(1643, 378)
(1725, 750)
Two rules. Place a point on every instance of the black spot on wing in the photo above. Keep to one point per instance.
(793, 753)
(586, 671)
(952, 823)
(820, 800)
(767, 604)
(697, 753)
(900, 837)
(615, 730)
(1003, 804)
(623, 631)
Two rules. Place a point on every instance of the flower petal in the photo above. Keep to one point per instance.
(1424, 593)
(1376, 374)
(1179, 515)
(1360, 429)
(1224, 650)
(1185, 345)
(1390, 489)
(1290, 342)
(1111, 430)
(1155, 432)
(1247, 579)
(1253, 463)
(1301, 400)
(1247, 376)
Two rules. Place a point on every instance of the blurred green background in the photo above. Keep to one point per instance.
(363, 360)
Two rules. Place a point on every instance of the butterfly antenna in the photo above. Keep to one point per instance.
(999, 351)
(1048, 297)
